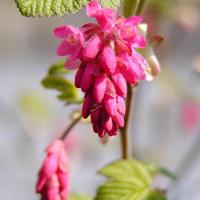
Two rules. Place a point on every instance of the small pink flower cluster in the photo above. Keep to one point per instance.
(53, 180)
(105, 56)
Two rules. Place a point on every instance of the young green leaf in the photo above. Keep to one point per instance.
(128, 180)
(156, 195)
(110, 3)
(122, 190)
(67, 91)
(49, 7)
(129, 170)
(56, 7)
(79, 197)
(58, 69)
(58, 83)
(167, 173)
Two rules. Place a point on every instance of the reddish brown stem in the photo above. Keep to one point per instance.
(70, 127)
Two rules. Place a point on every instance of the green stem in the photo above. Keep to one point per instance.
(70, 127)
(130, 7)
(140, 7)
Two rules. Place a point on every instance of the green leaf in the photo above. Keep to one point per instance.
(68, 91)
(58, 83)
(49, 7)
(130, 7)
(58, 69)
(167, 173)
(110, 3)
(79, 197)
(128, 180)
(133, 170)
(122, 190)
(56, 7)
(156, 195)
(56, 79)
(69, 99)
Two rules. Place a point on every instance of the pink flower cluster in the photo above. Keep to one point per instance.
(106, 58)
(53, 180)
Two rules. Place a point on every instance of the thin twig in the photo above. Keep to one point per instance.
(70, 127)
(124, 130)
(130, 6)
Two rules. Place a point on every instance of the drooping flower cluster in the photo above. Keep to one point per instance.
(53, 180)
(106, 58)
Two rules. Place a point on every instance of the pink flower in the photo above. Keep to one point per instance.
(72, 42)
(108, 60)
(105, 17)
(53, 178)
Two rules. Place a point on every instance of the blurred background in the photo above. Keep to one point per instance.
(165, 126)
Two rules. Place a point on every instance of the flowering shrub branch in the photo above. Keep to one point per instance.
(110, 57)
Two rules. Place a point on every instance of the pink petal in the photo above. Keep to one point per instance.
(69, 48)
(63, 49)
(99, 88)
(106, 19)
(88, 77)
(55, 147)
(122, 46)
(127, 72)
(114, 130)
(110, 105)
(50, 165)
(108, 125)
(134, 20)
(118, 119)
(120, 83)
(78, 77)
(89, 30)
(63, 162)
(93, 47)
(108, 60)
(86, 106)
(138, 64)
(110, 88)
(101, 133)
(53, 194)
(92, 8)
(72, 64)
(64, 194)
(95, 115)
(63, 32)
(41, 182)
(121, 107)
(104, 16)
(139, 42)
(48, 169)
(63, 180)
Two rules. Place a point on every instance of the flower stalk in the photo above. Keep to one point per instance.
(70, 127)
(130, 7)
(124, 131)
